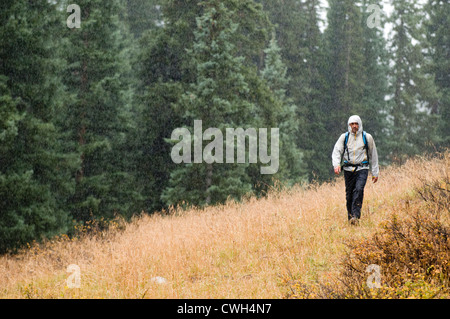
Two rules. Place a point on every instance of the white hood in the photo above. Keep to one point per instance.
(355, 119)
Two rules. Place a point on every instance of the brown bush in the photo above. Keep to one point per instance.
(412, 254)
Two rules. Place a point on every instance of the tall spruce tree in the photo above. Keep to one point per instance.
(166, 71)
(217, 99)
(414, 92)
(299, 37)
(346, 70)
(97, 113)
(438, 36)
(373, 108)
(35, 174)
(292, 165)
(164, 74)
(313, 100)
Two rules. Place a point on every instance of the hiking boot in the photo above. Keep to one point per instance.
(354, 221)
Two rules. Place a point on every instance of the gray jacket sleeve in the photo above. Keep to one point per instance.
(373, 155)
(338, 151)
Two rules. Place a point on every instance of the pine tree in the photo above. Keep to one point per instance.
(346, 70)
(313, 102)
(376, 87)
(217, 99)
(413, 90)
(166, 71)
(35, 174)
(163, 74)
(157, 120)
(299, 37)
(292, 166)
(437, 31)
(98, 112)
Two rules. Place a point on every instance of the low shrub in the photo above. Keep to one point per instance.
(408, 258)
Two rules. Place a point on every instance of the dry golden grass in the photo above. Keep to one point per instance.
(254, 249)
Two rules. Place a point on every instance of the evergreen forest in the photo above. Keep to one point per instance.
(90, 96)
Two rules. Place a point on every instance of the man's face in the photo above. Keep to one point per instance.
(355, 127)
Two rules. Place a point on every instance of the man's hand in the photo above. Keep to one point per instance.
(374, 179)
(337, 170)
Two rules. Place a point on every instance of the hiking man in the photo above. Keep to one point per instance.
(357, 148)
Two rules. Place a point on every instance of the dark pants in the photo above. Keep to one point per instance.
(354, 191)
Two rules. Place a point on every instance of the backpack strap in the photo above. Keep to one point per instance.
(366, 146)
(345, 144)
(345, 149)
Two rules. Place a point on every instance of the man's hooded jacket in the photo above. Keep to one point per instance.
(356, 151)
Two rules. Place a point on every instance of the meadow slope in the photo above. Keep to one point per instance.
(255, 249)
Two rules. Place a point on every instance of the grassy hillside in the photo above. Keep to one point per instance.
(293, 244)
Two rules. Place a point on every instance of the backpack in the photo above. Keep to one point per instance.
(366, 147)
